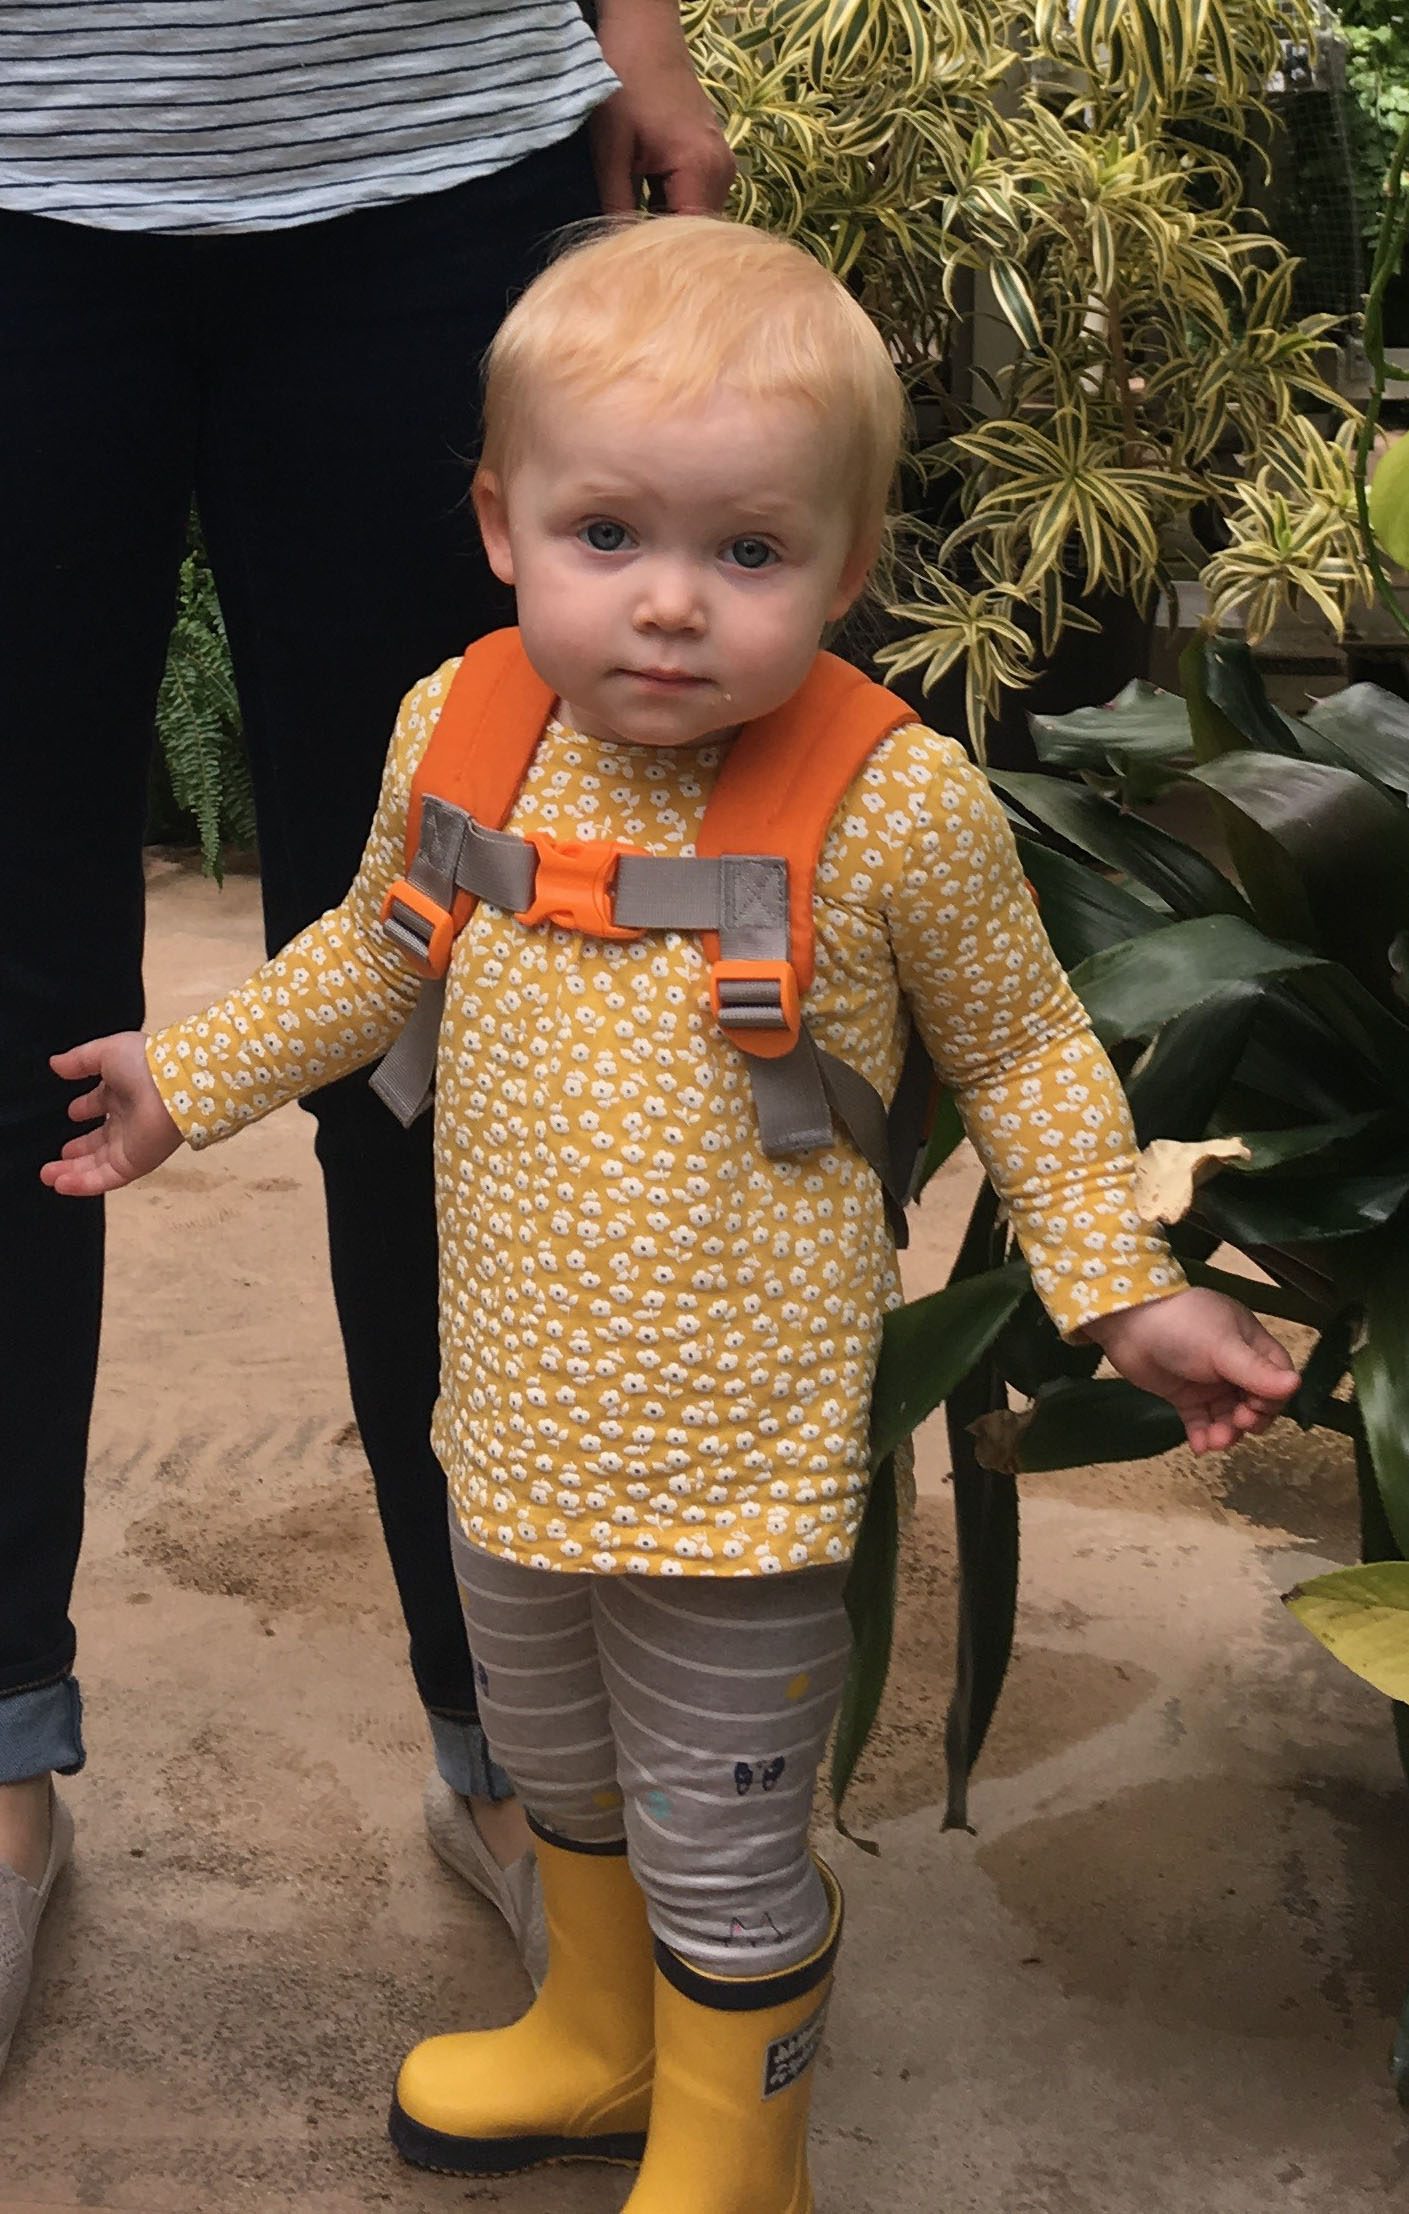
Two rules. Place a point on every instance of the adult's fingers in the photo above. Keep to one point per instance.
(700, 182)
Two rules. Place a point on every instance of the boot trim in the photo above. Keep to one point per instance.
(504, 2156)
(752, 1994)
(613, 1848)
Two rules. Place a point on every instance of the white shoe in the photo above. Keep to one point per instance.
(514, 1890)
(22, 1907)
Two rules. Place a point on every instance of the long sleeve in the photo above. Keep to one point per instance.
(1036, 1090)
(330, 1001)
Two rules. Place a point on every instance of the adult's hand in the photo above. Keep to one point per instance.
(660, 124)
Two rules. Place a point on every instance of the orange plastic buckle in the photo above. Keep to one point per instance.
(764, 1018)
(427, 947)
(573, 884)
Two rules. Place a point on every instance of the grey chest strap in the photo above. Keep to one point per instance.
(743, 897)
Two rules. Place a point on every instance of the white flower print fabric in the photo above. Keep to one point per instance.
(657, 1345)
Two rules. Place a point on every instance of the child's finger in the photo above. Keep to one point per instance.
(79, 1060)
(77, 1179)
(1257, 1373)
(78, 1149)
(90, 1105)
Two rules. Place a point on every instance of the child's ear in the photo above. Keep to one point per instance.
(852, 581)
(492, 517)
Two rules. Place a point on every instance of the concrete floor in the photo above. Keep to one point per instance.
(1161, 1978)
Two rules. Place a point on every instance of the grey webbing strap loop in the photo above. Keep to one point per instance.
(497, 866)
(405, 1079)
(859, 1109)
(654, 892)
(753, 908)
(790, 1101)
(863, 1115)
(744, 896)
(750, 1003)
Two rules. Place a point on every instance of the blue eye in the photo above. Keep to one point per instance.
(751, 553)
(605, 537)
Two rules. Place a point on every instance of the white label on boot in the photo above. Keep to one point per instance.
(789, 2057)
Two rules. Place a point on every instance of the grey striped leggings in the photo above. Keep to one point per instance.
(687, 1713)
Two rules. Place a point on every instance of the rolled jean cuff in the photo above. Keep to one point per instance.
(462, 1757)
(40, 1730)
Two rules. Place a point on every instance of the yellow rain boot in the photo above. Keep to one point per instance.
(572, 2079)
(734, 2061)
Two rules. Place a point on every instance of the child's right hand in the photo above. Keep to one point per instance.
(136, 1134)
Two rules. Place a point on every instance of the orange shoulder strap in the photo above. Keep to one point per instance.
(488, 732)
(785, 777)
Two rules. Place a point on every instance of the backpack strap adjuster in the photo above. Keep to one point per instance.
(420, 926)
(573, 885)
(757, 1005)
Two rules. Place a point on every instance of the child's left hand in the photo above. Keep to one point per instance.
(1208, 1356)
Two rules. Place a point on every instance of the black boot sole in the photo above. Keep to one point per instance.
(504, 2156)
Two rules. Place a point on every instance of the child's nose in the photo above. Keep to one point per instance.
(670, 599)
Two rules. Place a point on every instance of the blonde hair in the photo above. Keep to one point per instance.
(684, 304)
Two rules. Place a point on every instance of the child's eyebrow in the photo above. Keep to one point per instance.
(740, 504)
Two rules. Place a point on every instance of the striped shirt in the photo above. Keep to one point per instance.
(240, 115)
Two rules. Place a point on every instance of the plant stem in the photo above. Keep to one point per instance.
(1389, 252)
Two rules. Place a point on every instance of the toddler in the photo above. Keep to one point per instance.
(661, 1291)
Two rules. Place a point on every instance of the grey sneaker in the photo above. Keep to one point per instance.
(514, 1890)
(21, 1911)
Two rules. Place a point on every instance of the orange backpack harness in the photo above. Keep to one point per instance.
(748, 891)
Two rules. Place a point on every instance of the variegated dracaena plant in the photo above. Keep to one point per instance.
(1076, 172)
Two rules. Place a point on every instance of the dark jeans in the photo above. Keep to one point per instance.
(316, 390)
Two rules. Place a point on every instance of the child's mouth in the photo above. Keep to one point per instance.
(666, 680)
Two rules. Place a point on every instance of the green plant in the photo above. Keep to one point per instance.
(1261, 1024)
(201, 751)
(1064, 170)
(1376, 38)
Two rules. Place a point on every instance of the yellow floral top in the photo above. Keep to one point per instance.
(657, 1345)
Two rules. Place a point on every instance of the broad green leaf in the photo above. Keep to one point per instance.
(870, 1604)
(1227, 701)
(946, 1135)
(1081, 910)
(1074, 1423)
(1177, 1086)
(1389, 500)
(1376, 1034)
(1344, 849)
(928, 1345)
(1369, 728)
(1030, 1351)
(1327, 1363)
(1142, 721)
(1190, 885)
(986, 1537)
(1301, 1210)
(1362, 1616)
(1131, 990)
(1251, 1292)
(1381, 1370)
(1354, 1142)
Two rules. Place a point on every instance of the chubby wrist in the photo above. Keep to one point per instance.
(1102, 1329)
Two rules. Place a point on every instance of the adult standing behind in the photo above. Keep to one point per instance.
(252, 254)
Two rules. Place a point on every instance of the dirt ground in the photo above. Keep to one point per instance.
(1160, 1977)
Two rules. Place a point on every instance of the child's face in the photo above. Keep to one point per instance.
(674, 572)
